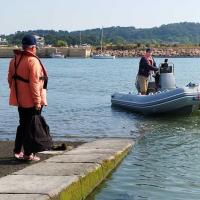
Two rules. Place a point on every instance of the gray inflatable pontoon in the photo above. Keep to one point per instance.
(168, 99)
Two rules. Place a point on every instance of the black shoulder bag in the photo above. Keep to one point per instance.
(39, 138)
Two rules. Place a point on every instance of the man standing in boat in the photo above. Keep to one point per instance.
(146, 65)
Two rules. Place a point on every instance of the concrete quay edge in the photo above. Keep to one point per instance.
(72, 175)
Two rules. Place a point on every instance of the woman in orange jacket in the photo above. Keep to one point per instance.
(26, 78)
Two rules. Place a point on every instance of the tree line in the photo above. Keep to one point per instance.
(170, 34)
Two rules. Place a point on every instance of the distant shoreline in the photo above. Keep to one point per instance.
(82, 52)
(172, 52)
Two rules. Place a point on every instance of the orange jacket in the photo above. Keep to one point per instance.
(29, 94)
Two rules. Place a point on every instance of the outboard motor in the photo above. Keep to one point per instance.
(167, 78)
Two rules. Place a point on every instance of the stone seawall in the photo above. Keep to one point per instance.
(158, 52)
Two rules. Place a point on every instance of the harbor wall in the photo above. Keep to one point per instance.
(85, 52)
(79, 52)
(82, 52)
(6, 52)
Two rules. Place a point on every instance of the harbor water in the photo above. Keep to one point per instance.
(166, 158)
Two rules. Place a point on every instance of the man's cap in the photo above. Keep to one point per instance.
(149, 50)
(29, 40)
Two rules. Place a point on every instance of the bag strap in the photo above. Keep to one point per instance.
(45, 77)
(16, 66)
(43, 69)
(17, 77)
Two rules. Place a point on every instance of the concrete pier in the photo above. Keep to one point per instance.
(71, 175)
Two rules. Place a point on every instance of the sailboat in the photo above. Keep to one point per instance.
(57, 54)
(102, 55)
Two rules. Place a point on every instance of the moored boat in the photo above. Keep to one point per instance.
(57, 54)
(103, 56)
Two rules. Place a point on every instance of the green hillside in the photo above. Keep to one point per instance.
(183, 33)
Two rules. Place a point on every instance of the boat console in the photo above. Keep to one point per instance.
(166, 68)
(167, 78)
(164, 79)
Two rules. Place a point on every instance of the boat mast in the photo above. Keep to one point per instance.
(80, 39)
(102, 39)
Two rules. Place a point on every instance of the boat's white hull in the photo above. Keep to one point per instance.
(183, 100)
(57, 56)
(103, 57)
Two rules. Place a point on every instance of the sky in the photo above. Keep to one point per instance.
(73, 15)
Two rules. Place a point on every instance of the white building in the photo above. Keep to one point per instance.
(40, 41)
(3, 41)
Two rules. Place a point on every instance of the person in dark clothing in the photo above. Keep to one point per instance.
(146, 65)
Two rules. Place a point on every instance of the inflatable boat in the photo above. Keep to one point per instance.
(162, 97)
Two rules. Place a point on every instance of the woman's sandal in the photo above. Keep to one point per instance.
(31, 157)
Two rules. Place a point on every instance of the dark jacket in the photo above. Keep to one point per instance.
(145, 68)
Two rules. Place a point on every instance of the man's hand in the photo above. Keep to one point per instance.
(38, 107)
